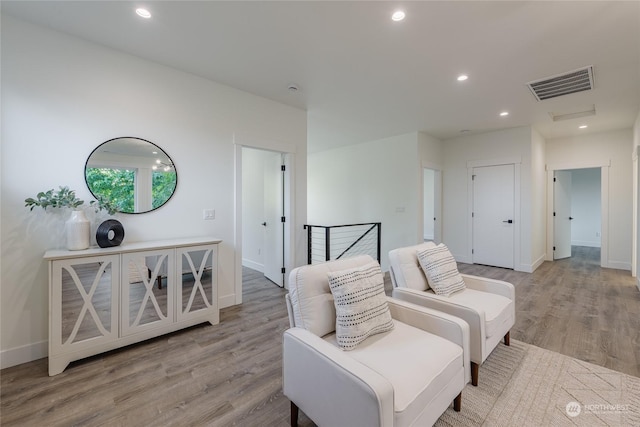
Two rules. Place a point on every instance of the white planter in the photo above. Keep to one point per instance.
(78, 231)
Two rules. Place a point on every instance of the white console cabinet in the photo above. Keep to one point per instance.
(104, 298)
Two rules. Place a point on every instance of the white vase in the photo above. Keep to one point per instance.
(78, 231)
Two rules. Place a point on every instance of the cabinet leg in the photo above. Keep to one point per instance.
(57, 365)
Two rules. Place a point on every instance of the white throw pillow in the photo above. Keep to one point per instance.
(361, 304)
(441, 270)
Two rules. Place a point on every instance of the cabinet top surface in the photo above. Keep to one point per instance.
(131, 247)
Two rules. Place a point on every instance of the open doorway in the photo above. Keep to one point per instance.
(263, 213)
(432, 194)
(577, 219)
(590, 212)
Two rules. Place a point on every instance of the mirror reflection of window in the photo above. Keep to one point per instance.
(134, 174)
(114, 184)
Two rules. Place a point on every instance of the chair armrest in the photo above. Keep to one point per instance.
(287, 299)
(474, 318)
(436, 322)
(330, 386)
(493, 286)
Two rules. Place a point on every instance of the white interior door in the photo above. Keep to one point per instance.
(493, 215)
(562, 214)
(273, 225)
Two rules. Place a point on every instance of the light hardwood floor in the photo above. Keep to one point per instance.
(574, 307)
(230, 374)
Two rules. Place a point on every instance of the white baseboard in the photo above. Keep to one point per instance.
(227, 301)
(619, 265)
(587, 243)
(252, 265)
(428, 237)
(24, 354)
(638, 283)
(530, 268)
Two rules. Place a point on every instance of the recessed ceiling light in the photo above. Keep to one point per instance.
(582, 127)
(462, 77)
(144, 13)
(398, 15)
(504, 113)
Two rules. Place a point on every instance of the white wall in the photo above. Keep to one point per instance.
(431, 151)
(585, 207)
(377, 181)
(510, 144)
(61, 97)
(593, 149)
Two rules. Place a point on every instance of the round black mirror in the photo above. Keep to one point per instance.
(134, 175)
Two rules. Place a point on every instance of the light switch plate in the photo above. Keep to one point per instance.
(208, 214)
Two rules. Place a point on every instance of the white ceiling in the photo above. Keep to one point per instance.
(364, 77)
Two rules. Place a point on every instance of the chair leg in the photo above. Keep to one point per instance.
(457, 402)
(294, 415)
(506, 339)
(474, 373)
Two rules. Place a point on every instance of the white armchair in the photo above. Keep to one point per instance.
(487, 305)
(406, 376)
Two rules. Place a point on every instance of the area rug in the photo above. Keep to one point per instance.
(524, 385)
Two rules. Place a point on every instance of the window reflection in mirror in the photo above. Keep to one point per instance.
(133, 174)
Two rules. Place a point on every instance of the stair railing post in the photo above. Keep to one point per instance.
(327, 243)
(308, 243)
(379, 240)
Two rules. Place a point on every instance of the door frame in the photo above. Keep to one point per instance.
(635, 234)
(288, 151)
(604, 205)
(437, 201)
(516, 162)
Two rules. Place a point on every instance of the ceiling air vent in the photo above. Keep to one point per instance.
(563, 84)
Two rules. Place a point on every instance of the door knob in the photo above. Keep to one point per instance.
(570, 218)
(264, 224)
(509, 221)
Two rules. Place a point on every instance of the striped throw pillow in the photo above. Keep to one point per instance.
(441, 270)
(361, 304)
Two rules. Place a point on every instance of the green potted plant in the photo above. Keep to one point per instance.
(78, 227)
(55, 199)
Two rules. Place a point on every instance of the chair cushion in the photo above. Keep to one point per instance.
(406, 269)
(361, 304)
(310, 296)
(497, 308)
(418, 365)
(441, 270)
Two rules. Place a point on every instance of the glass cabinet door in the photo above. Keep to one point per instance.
(197, 284)
(147, 290)
(84, 301)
